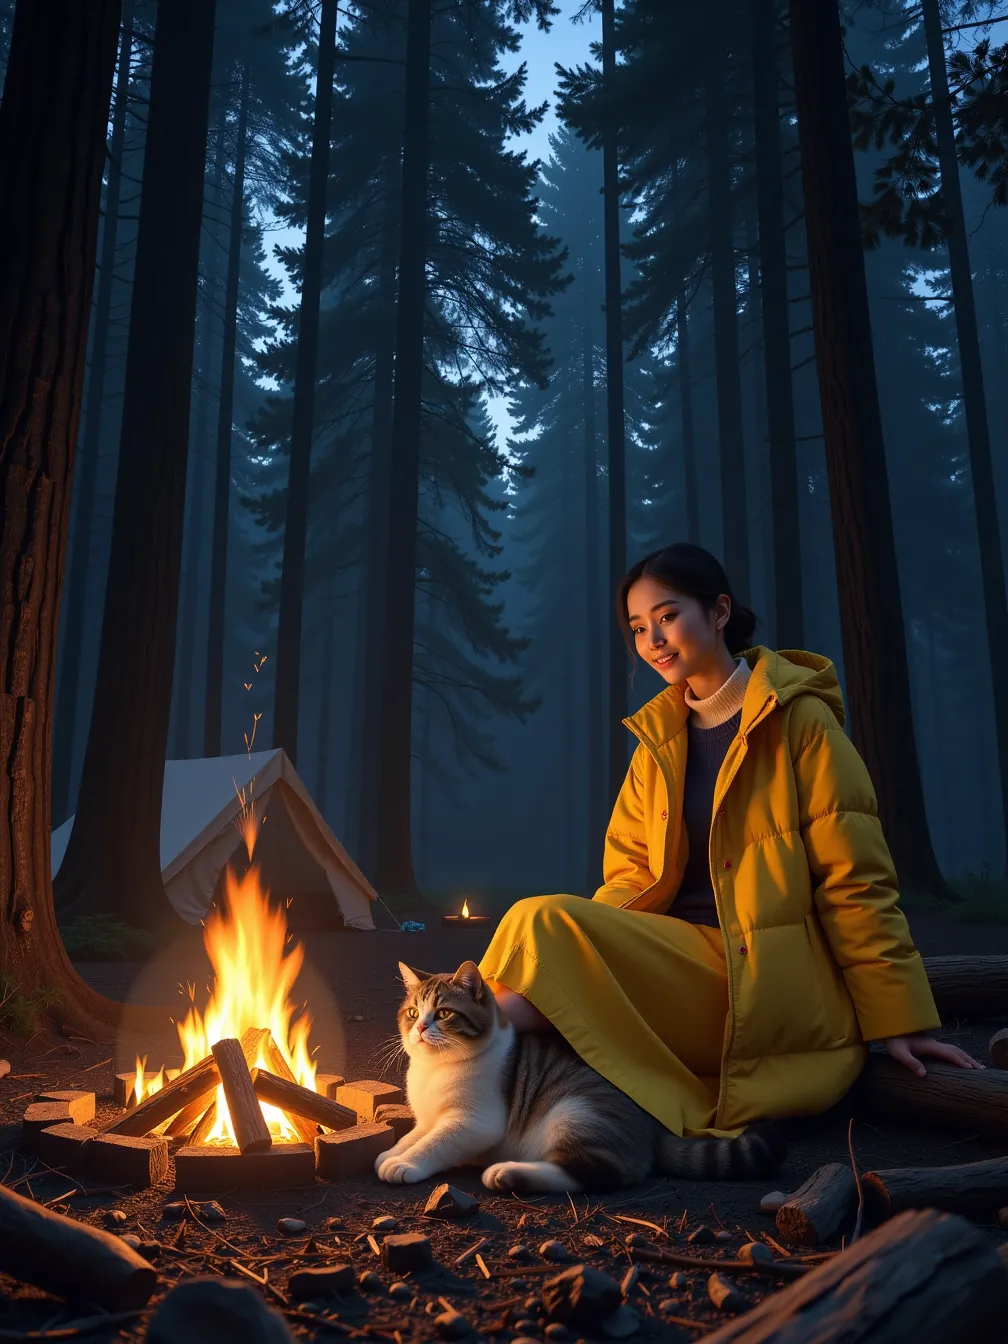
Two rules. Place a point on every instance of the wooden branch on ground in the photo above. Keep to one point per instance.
(969, 986)
(998, 1049)
(818, 1208)
(972, 1187)
(297, 1100)
(70, 1259)
(974, 1101)
(250, 1128)
(924, 1277)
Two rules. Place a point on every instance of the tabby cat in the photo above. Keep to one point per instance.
(526, 1108)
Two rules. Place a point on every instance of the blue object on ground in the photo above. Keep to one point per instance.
(412, 926)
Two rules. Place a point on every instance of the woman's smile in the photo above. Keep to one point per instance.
(665, 659)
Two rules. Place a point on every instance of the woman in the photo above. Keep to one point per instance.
(747, 942)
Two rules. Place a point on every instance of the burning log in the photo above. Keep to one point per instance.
(204, 1126)
(971, 1188)
(154, 1110)
(921, 1278)
(974, 1100)
(818, 1208)
(969, 986)
(183, 1124)
(250, 1128)
(297, 1100)
(71, 1259)
(276, 1064)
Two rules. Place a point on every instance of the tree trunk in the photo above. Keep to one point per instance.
(222, 485)
(790, 625)
(325, 708)
(113, 862)
(288, 669)
(871, 615)
(53, 123)
(974, 401)
(684, 370)
(394, 868)
(86, 465)
(193, 528)
(370, 625)
(596, 812)
(735, 548)
(618, 664)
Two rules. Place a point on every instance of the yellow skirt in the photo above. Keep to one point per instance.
(641, 997)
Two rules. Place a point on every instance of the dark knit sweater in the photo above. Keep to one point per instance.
(705, 752)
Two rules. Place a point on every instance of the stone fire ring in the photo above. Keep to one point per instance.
(58, 1128)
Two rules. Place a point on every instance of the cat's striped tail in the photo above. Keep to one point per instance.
(756, 1153)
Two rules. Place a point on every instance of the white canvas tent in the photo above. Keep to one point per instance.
(296, 850)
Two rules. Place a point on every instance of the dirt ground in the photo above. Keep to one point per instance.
(350, 981)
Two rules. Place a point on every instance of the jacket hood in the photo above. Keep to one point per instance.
(777, 676)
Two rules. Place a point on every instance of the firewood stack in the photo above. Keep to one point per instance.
(339, 1135)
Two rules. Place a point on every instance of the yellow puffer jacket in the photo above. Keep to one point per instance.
(820, 957)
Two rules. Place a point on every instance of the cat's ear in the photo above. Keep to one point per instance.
(468, 978)
(412, 979)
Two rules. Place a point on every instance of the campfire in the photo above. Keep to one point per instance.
(248, 1105)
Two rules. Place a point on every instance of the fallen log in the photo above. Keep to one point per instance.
(971, 1188)
(968, 986)
(924, 1277)
(818, 1208)
(203, 1127)
(250, 1128)
(297, 1100)
(70, 1259)
(971, 1100)
(998, 1049)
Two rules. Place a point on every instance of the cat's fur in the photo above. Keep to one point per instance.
(526, 1107)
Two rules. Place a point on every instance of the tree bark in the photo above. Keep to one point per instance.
(974, 400)
(53, 123)
(370, 624)
(325, 708)
(394, 869)
(618, 664)
(871, 615)
(212, 709)
(113, 863)
(192, 533)
(596, 812)
(969, 987)
(684, 370)
(790, 631)
(86, 466)
(288, 671)
(735, 548)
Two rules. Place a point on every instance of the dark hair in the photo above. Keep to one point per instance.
(695, 573)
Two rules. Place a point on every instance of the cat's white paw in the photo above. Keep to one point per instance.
(502, 1176)
(382, 1158)
(399, 1170)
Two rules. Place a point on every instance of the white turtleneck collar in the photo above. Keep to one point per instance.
(718, 708)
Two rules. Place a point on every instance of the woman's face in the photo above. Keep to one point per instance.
(673, 632)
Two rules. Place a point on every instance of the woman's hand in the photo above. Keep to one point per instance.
(910, 1049)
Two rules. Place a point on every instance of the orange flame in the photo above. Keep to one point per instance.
(465, 909)
(253, 978)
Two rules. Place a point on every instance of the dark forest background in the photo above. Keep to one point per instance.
(719, 437)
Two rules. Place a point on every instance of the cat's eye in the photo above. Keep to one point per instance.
(442, 1013)
(412, 1012)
